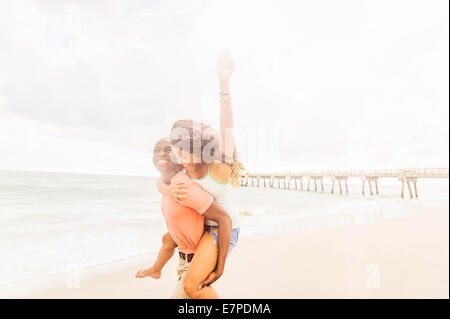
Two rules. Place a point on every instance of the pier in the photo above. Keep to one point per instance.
(407, 177)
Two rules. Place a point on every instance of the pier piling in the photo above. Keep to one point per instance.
(405, 176)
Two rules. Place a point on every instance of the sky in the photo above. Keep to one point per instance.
(89, 87)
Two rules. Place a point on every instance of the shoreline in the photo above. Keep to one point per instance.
(308, 223)
(115, 260)
(410, 252)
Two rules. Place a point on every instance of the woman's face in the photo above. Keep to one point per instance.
(185, 158)
(161, 156)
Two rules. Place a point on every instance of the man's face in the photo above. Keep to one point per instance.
(161, 156)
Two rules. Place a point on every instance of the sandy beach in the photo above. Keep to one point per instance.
(320, 128)
(395, 258)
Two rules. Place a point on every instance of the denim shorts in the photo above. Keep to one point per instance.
(234, 236)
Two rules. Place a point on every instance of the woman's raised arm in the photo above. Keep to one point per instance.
(224, 68)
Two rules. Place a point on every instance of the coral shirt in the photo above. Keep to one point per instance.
(185, 221)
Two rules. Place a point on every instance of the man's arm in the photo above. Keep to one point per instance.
(223, 220)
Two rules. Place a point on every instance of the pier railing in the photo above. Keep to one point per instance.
(283, 179)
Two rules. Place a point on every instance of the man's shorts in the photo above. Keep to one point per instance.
(182, 269)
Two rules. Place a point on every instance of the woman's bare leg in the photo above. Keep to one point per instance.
(202, 265)
(165, 253)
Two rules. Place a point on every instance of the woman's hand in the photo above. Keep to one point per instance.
(216, 274)
(224, 66)
(177, 191)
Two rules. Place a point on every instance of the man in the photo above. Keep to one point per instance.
(185, 204)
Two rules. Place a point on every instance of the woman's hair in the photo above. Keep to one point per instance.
(236, 167)
(190, 131)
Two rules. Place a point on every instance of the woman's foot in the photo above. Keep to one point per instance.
(154, 274)
(149, 272)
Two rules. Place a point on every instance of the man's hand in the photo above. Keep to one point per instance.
(216, 274)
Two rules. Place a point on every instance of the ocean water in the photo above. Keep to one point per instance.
(54, 222)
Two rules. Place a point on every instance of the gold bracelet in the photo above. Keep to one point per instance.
(225, 98)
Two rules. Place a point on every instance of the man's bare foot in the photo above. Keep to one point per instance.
(148, 272)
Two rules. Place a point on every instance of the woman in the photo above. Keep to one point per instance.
(210, 160)
(208, 262)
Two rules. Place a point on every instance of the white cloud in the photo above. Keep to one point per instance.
(345, 84)
(33, 146)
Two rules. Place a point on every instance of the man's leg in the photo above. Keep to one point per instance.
(182, 269)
